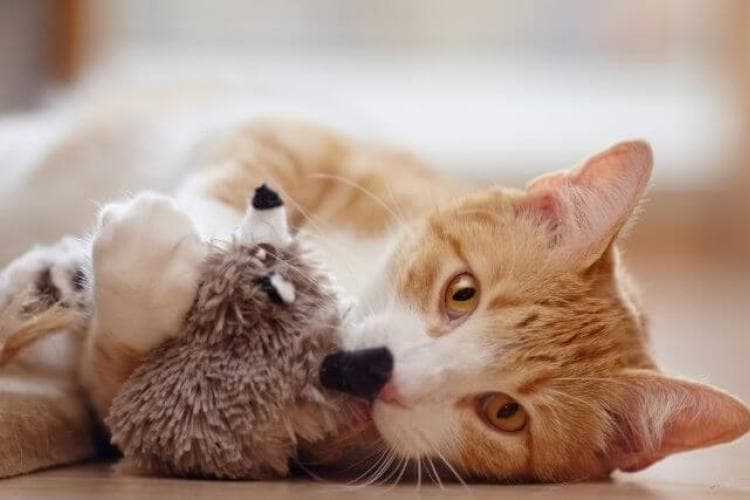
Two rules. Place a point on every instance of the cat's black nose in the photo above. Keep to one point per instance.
(359, 373)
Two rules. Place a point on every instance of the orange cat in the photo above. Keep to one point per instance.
(520, 351)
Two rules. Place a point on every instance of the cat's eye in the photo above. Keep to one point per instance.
(461, 296)
(503, 412)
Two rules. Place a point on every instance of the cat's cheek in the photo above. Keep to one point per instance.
(483, 452)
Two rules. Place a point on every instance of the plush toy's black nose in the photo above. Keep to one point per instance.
(265, 198)
(359, 373)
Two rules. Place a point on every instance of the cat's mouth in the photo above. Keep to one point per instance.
(361, 411)
(390, 395)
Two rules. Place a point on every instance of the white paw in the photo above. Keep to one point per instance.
(147, 257)
(48, 274)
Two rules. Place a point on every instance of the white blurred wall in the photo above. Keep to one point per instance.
(24, 31)
(493, 90)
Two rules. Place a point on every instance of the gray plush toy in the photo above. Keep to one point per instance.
(236, 393)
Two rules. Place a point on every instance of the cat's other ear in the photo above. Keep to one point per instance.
(586, 207)
(656, 416)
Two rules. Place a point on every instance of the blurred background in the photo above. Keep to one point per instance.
(490, 91)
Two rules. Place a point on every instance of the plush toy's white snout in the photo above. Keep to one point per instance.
(265, 220)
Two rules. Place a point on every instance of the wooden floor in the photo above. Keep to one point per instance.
(98, 481)
(699, 313)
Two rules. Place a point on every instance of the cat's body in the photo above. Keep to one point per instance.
(520, 352)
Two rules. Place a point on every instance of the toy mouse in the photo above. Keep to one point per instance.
(235, 394)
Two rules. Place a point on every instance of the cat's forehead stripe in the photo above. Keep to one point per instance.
(454, 243)
(479, 216)
(503, 300)
(420, 279)
(527, 321)
(534, 383)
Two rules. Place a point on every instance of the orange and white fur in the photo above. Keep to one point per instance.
(520, 349)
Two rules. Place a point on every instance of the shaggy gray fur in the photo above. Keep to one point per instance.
(232, 396)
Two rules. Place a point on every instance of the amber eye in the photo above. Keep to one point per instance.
(461, 296)
(503, 412)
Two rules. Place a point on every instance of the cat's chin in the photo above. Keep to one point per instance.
(409, 431)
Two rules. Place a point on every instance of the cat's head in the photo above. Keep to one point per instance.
(519, 351)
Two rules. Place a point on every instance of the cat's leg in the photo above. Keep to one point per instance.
(146, 260)
(44, 420)
(42, 424)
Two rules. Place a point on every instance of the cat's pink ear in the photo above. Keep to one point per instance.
(657, 416)
(586, 207)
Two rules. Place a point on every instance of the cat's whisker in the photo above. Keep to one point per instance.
(571, 397)
(436, 477)
(419, 472)
(378, 449)
(394, 201)
(427, 472)
(311, 474)
(381, 458)
(401, 474)
(424, 444)
(373, 196)
(288, 198)
(315, 228)
(451, 468)
(394, 471)
(382, 470)
(558, 421)
(301, 273)
(435, 450)
(371, 474)
(318, 232)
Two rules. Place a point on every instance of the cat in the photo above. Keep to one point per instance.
(520, 349)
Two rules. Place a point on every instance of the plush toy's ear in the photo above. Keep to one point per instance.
(265, 220)
(585, 208)
(656, 416)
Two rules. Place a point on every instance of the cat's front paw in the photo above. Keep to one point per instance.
(147, 258)
(47, 275)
